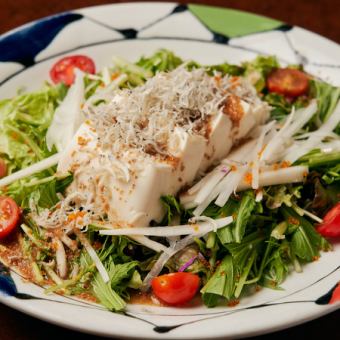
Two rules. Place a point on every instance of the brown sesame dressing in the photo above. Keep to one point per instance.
(207, 156)
(11, 255)
(143, 123)
(150, 150)
(173, 161)
(233, 109)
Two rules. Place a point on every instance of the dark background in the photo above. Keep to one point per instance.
(320, 16)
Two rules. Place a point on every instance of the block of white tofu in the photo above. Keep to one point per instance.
(219, 142)
(133, 200)
(153, 141)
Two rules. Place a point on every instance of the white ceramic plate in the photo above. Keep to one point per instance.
(208, 35)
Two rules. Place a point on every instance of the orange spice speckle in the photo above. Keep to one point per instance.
(218, 79)
(233, 303)
(114, 75)
(75, 215)
(248, 178)
(293, 220)
(285, 164)
(233, 168)
(87, 296)
(75, 167)
(234, 82)
(14, 135)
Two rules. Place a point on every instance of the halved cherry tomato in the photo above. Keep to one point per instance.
(330, 227)
(288, 82)
(176, 288)
(63, 70)
(3, 168)
(335, 295)
(9, 215)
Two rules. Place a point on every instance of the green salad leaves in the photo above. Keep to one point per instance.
(267, 239)
(24, 121)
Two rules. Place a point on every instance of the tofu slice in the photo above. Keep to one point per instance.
(219, 142)
(136, 201)
(128, 186)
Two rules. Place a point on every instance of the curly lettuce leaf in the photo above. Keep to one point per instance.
(162, 60)
(24, 121)
(327, 97)
(257, 70)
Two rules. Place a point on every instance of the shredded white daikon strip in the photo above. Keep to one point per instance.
(68, 115)
(257, 154)
(145, 241)
(222, 190)
(195, 188)
(157, 268)
(213, 222)
(242, 153)
(331, 146)
(234, 182)
(75, 271)
(72, 244)
(178, 246)
(312, 216)
(86, 244)
(229, 185)
(31, 170)
(322, 134)
(106, 76)
(187, 229)
(52, 274)
(259, 195)
(276, 145)
(203, 193)
(61, 259)
(300, 118)
(298, 150)
(293, 174)
(105, 93)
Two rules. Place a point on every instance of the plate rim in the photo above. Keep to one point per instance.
(15, 304)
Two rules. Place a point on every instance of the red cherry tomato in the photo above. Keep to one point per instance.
(63, 70)
(3, 168)
(330, 227)
(335, 295)
(176, 288)
(9, 215)
(288, 82)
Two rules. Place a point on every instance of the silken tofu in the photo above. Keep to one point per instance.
(153, 140)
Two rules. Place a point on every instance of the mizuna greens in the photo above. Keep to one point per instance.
(271, 233)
